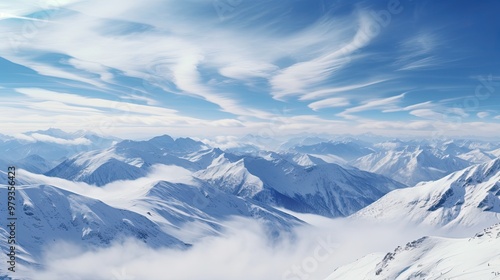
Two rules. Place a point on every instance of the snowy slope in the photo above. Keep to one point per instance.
(301, 141)
(181, 205)
(454, 148)
(495, 153)
(305, 160)
(325, 189)
(99, 168)
(126, 160)
(192, 211)
(476, 156)
(411, 164)
(469, 197)
(296, 181)
(47, 214)
(34, 163)
(164, 144)
(203, 158)
(345, 150)
(231, 177)
(173, 212)
(432, 258)
(471, 151)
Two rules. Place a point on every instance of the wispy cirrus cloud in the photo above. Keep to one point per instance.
(427, 114)
(381, 104)
(298, 78)
(422, 105)
(329, 103)
(248, 69)
(420, 52)
(336, 90)
(37, 137)
(183, 65)
(421, 63)
(181, 54)
(86, 102)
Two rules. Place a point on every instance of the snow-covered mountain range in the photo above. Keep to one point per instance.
(343, 150)
(170, 212)
(326, 189)
(92, 190)
(408, 162)
(272, 178)
(126, 160)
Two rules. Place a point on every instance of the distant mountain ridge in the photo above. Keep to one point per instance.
(411, 164)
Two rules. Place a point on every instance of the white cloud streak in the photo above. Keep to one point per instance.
(483, 115)
(418, 52)
(77, 100)
(37, 137)
(377, 104)
(329, 103)
(427, 114)
(298, 78)
(335, 90)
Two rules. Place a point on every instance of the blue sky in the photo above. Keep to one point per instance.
(233, 67)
